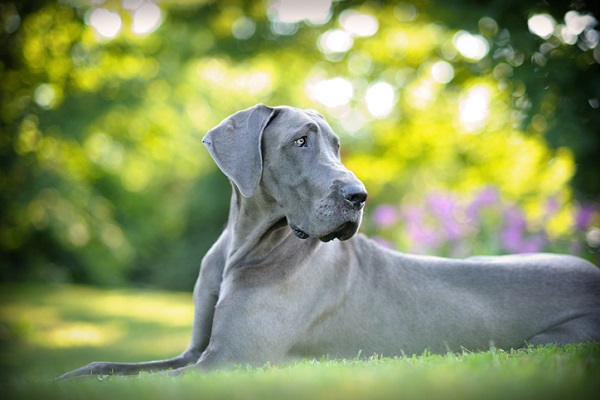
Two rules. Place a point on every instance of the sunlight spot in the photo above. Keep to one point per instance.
(30, 136)
(335, 41)
(313, 11)
(592, 38)
(360, 63)
(146, 19)
(442, 72)
(353, 120)
(106, 23)
(78, 334)
(359, 24)
(473, 47)
(112, 235)
(593, 237)
(488, 26)
(137, 174)
(260, 82)
(405, 12)
(421, 94)
(45, 96)
(100, 149)
(474, 108)
(577, 23)
(333, 92)
(380, 99)
(539, 123)
(12, 22)
(132, 4)
(159, 308)
(566, 36)
(541, 25)
(284, 28)
(214, 70)
(78, 234)
(243, 28)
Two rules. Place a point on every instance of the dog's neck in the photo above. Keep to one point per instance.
(255, 229)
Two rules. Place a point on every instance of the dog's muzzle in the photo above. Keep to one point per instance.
(350, 198)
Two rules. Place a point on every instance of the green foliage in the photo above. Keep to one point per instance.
(103, 176)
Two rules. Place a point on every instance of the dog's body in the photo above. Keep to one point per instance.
(275, 287)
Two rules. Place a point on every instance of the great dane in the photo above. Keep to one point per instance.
(277, 286)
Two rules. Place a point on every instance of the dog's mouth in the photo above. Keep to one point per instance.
(300, 233)
(343, 232)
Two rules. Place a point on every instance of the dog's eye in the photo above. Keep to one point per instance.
(300, 142)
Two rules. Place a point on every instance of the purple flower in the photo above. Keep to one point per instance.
(485, 197)
(446, 209)
(515, 225)
(532, 244)
(511, 238)
(584, 215)
(552, 205)
(382, 242)
(385, 215)
(514, 236)
(412, 214)
(442, 206)
(422, 236)
(514, 218)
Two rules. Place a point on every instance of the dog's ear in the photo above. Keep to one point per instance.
(235, 145)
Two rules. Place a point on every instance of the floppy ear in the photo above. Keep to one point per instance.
(235, 145)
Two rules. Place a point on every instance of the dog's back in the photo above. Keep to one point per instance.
(402, 303)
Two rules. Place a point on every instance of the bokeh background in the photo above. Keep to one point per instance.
(474, 125)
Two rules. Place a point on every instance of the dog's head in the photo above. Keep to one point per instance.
(292, 156)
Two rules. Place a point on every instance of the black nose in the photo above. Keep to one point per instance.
(355, 194)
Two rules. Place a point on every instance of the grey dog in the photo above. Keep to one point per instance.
(276, 286)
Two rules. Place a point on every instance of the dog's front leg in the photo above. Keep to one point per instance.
(253, 327)
(204, 304)
(205, 298)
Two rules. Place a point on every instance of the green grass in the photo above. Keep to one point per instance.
(45, 331)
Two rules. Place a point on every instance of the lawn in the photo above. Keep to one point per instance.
(48, 330)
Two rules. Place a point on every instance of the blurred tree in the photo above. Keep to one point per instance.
(103, 176)
(560, 71)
